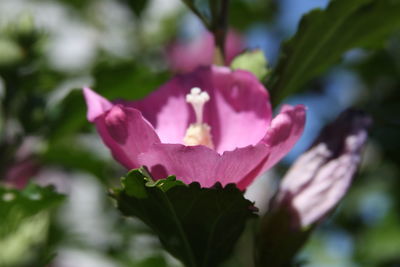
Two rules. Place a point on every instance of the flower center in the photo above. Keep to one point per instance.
(198, 133)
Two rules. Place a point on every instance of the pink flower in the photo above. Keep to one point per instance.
(224, 133)
(185, 57)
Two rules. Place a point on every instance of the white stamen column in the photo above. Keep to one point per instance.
(198, 133)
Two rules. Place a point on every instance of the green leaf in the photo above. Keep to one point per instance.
(24, 222)
(253, 61)
(199, 226)
(325, 35)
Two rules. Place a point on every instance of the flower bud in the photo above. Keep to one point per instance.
(312, 187)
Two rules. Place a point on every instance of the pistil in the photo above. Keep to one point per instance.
(198, 133)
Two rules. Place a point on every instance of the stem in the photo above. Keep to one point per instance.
(218, 25)
(219, 29)
(194, 9)
(213, 4)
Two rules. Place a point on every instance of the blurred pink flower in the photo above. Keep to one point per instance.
(186, 56)
(24, 164)
(20, 172)
(224, 133)
(313, 187)
(319, 178)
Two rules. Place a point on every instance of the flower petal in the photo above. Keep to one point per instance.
(187, 163)
(126, 133)
(241, 111)
(320, 177)
(201, 164)
(242, 164)
(96, 104)
(166, 109)
(285, 129)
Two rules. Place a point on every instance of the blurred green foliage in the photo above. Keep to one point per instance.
(24, 226)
